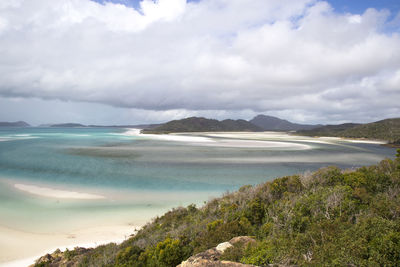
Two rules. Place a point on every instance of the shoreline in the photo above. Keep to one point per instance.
(349, 139)
(22, 246)
(235, 134)
(15, 254)
(213, 139)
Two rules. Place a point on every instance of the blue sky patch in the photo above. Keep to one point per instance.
(351, 6)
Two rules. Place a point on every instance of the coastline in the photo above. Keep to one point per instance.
(218, 139)
(13, 253)
(348, 139)
(22, 245)
(253, 139)
(205, 137)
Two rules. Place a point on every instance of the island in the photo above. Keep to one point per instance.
(14, 124)
(200, 124)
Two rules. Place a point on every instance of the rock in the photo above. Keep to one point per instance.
(59, 258)
(45, 258)
(211, 257)
(223, 246)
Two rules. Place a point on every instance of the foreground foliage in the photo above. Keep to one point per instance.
(330, 217)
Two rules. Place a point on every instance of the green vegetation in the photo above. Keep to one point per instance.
(195, 124)
(327, 218)
(388, 130)
(270, 123)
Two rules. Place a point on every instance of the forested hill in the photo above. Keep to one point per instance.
(198, 124)
(388, 130)
(331, 217)
(270, 123)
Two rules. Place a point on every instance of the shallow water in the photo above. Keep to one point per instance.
(139, 176)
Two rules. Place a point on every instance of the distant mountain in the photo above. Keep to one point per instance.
(14, 124)
(388, 130)
(269, 123)
(68, 125)
(198, 124)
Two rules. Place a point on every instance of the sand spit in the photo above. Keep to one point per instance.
(361, 141)
(168, 137)
(55, 193)
(225, 139)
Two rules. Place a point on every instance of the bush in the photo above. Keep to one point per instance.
(128, 256)
(165, 254)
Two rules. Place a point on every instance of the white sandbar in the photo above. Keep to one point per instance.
(55, 193)
(226, 139)
(364, 141)
(169, 137)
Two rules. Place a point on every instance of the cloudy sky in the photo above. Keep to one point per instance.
(130, 61)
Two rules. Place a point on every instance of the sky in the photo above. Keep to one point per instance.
(134, 62)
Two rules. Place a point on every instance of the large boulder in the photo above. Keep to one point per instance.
(211, 257)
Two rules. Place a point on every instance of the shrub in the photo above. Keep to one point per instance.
(165, 254)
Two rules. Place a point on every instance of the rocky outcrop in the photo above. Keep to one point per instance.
(211, 257)
(59, 258)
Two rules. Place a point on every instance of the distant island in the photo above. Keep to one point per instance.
(199, 124)
(67, 125)
(14, 124)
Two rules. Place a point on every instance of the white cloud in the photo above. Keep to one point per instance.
(283, 56)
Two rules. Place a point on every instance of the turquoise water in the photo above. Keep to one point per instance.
(142, 176)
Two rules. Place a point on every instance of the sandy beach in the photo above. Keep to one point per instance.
(22, 248)
(13, 252)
